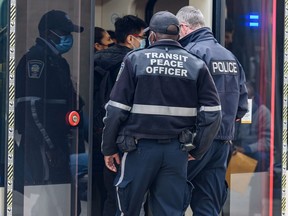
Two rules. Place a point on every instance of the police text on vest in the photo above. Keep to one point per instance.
(224, 67)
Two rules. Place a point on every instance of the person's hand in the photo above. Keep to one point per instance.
(190, 157)
(110, 161)
(238, 149)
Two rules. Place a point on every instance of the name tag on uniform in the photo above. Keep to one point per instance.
(224, 68)
(35, 68)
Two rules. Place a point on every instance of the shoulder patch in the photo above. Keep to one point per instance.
(35, 68)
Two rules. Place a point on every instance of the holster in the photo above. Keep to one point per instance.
(186, 139)
(126, 143)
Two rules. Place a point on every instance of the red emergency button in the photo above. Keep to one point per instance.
(73, 118)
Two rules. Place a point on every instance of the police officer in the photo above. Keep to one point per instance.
(160, 95)
(208, 174)
(44, 96)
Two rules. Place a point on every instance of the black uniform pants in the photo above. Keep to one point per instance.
(161, 168)
(208, 178)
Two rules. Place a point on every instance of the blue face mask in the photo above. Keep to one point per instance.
(142, 44)
(65, 44)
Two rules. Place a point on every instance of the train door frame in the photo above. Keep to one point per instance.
(9, 174)
(10, 106)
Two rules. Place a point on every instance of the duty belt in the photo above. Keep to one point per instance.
(227, 142)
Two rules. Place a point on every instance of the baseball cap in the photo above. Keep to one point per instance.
(56, 19)
(163, 22)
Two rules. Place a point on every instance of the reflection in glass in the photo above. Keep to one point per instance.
(49, 117)
(253, 138)
(250, 38)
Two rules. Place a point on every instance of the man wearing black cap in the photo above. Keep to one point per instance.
(44, 96)
(164, 106)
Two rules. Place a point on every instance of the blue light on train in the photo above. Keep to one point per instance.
(253, 17)
(254, 24)
(253, 20)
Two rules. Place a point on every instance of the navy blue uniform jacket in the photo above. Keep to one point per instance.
(228, 76)
(159, 92)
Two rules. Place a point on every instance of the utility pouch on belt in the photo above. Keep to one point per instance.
(126, 143)
(186, 138)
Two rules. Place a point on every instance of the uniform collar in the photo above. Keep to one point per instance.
(46, 43)
(200, 34)
(166, 42)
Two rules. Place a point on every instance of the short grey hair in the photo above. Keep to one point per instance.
(191, 16)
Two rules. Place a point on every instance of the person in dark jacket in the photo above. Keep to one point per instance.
(162, 95)
(79, 161)
(44, 97)
(129, 32)
(253, 137)
(208, 174)
(102, 39)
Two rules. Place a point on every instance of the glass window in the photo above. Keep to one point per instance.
(51, 107)
(255, 189)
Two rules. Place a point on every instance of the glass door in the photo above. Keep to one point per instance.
(250, 34)
(53, 50)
